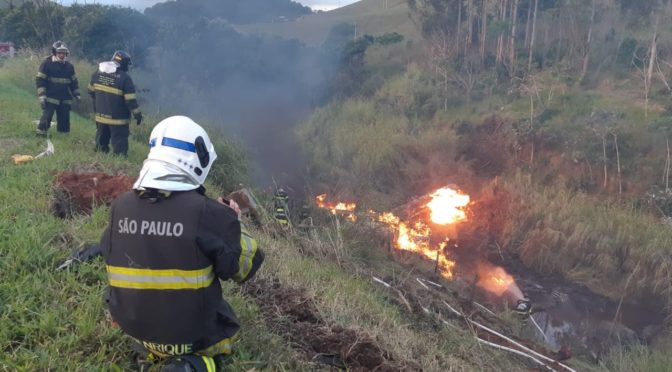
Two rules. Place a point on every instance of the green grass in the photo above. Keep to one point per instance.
(54, 319)
(614, 250)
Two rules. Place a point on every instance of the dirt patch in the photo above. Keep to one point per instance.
(291, 313)
(77, 193)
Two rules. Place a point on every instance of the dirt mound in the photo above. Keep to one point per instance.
(77, 193)
(291, 313)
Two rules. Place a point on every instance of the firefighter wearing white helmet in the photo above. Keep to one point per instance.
(114, 102)
(167, 245)
(56, 85)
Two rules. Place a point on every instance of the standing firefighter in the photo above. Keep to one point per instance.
(56, 86)
(114, 101)
(167, 247)
(280, 207)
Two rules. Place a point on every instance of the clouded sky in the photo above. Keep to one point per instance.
(142, 4)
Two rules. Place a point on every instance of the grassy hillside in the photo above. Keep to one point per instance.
(53, 320)
(370, 16)
(8, 3)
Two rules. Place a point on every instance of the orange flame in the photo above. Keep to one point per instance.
(416, 238)
(338, 208)
(496, 280)
(448, 206)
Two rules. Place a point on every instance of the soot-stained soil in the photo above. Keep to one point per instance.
(291, 313)
(77, 193)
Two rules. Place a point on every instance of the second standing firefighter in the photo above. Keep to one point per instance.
(114, 101)
(56, 86)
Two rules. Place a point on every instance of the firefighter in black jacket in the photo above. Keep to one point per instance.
(114, 100)
(168, 245)
(57, 85)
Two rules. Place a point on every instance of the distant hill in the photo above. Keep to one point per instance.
(7, 3)
(234, 11)
(370, 16)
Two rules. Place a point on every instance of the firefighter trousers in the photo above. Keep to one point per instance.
(62, 117)
(117, 134)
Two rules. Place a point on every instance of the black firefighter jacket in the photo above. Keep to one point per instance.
(57, 81)
(113, 94)
(164, 258)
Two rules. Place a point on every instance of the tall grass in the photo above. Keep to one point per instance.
(615, 250)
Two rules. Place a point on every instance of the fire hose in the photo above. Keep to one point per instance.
(524, 351)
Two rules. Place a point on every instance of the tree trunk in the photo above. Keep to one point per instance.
(652, 60)
(532, 36)
(470, 26)
(459, 25)
(589, 40)
(604, 159)
(512, 37)
(618, 165)
(528, 23)
(667, 167)
(484, 30)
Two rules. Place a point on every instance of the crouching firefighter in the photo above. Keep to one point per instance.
(168, 245)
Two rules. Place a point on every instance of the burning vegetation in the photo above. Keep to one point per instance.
(428, 228)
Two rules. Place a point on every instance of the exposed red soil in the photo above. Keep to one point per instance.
(291, 313)
(77, 193)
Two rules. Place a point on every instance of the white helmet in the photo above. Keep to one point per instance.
(180, 156)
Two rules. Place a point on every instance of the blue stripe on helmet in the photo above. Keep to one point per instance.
(152, 142)
(178, 144)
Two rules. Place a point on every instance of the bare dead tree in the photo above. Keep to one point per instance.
(441, 51)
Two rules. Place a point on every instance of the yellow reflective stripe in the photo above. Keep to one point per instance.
(124, 277)
(130, 96)
(249, 249)
(152, 285)
(60, 80)
(158, 272)
(209, 364)
(54, 101)
(104, 120)
(67, 102)
(222, 347)
(41, 91)
(106, 89)
(90, 88)
(41, 75)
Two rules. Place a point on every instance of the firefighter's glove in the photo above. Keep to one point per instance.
(43, 102)
(138, 118)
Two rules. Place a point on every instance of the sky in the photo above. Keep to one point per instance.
(142, 4)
